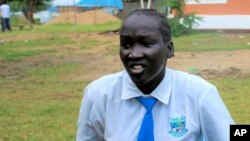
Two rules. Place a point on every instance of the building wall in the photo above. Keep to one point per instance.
(224, 22)
(221, 7)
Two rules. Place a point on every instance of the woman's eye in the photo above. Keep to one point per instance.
(147, 44)
(125, 45)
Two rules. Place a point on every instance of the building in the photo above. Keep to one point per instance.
(221, 14)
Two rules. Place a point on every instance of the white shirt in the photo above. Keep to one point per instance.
(5, 11)
(110, 112)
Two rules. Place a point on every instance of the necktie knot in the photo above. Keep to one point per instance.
(148, 102)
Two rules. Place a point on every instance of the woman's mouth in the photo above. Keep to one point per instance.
(136, 69)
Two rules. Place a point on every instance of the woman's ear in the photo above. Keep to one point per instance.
(170, 51)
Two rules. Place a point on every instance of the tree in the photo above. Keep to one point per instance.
(28, 7)
(181, 23)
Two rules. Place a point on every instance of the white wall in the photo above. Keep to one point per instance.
(224, 22)
(206, 1)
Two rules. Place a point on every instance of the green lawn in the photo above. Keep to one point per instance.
(212, 42)
(235, 93)
(40, 101)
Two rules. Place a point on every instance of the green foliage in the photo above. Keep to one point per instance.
(177, 5)
(178, 29)
(28, 7)
(14, 6)
(14, 20)
(182, 23)
(19, 5)
(190, 20)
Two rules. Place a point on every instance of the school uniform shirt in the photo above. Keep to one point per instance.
(5, 11)
(188, 108)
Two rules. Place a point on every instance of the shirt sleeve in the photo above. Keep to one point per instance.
(214, 117)
(87, 130)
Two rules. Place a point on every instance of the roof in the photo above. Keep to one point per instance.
(100, 3)
(89, 3)
(64, 2)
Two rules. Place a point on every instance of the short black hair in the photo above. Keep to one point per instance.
(165, 27)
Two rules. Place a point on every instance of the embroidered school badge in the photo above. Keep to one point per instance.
(178, 126)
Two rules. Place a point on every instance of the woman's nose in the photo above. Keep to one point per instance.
(136, 52)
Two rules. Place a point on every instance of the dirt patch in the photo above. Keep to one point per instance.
(9, 71)
(104, 59)
(88, 17)
(229, 72)
(213, 64)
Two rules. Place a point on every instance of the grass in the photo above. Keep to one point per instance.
(40, 105)
(79, 28)
(88, 43)
(235, 93)
(40, 101)
(66, 28)
(35, 42)
(14, 50)
(212, 42)
(15, 55)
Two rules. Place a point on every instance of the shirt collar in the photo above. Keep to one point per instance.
(162, 91)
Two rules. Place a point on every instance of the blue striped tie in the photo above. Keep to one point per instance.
(146, 132)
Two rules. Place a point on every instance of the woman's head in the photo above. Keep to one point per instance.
(145, 46)
(162, 20)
